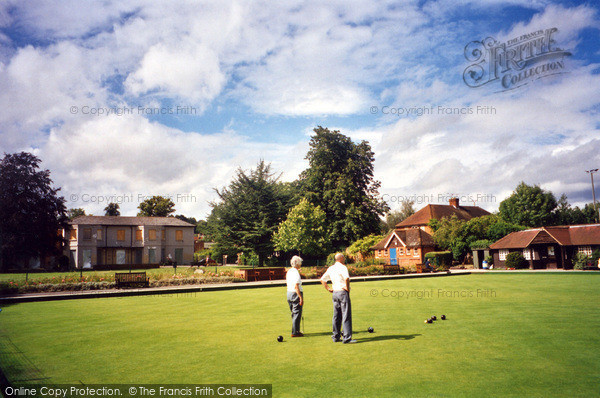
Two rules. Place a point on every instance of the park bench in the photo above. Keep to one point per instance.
(391, 269)
(131, 279)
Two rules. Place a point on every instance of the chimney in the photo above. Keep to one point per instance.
(454, 202)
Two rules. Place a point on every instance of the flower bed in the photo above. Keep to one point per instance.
(104, 280)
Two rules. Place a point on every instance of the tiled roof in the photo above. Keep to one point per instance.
(438, 212)
(130, 221)
(414, 237)
(516, 240)
(564, 235)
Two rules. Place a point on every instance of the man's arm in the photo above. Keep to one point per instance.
(299, 293)
(326, 286)
(347, 280)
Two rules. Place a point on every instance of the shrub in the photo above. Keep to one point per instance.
(369, 262)
(8, 288)
(440, 260)
(516, 260)
(490, 260)
(580, 261)
(480, 244)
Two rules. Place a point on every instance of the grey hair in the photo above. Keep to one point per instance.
(296, 260)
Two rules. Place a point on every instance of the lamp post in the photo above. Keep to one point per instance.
(591, 173)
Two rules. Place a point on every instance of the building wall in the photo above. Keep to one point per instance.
(540, 259)
(100, 244)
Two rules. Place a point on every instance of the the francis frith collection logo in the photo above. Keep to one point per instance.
(515, 62)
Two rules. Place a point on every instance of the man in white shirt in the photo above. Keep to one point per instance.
(295, 298)
(340, 289)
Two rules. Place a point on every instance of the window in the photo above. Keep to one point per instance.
(73, 234)
(152, 234)
(551, 250)
(179, 235)
(138, 234)
(87, 234)
(120, 234)
(587, 250)
(99, 234)
(415, 252)
(503, 253)
(527, 254)
(401, 251)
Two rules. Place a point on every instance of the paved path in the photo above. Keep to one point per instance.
(70, 295)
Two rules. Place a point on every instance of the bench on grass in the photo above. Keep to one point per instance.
(131, 279)
(391, 269)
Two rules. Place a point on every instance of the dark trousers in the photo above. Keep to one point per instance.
(342, 315)
(296, 309)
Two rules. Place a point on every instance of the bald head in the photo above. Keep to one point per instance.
(340, 258)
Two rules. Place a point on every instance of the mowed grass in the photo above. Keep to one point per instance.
(506, 335)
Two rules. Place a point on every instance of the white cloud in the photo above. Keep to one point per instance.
(127, 156)
(181, 70)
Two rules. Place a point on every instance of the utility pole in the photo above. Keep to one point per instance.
(591, 173)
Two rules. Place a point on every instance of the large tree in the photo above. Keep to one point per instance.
(249, 211)
(340, 180)
(458, 235)
(564, 214)
(76, 212)
(31, 212)
(392, 218)
(112, 209)
(529, 205)
(304, 230)
(156, 206)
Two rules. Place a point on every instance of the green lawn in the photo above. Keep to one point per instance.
(533, 335)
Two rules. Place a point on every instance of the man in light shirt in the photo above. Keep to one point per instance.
(295, 298)
(340, 290)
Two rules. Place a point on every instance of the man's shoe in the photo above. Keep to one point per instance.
(350, 342)
(297, 335)
(337, 340)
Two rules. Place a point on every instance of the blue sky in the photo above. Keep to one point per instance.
(198, 89)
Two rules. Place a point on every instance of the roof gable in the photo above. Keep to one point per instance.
(394, 237)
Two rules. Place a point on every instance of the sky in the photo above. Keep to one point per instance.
(125, 100)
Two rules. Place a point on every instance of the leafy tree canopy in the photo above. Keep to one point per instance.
(31, 212)
(364, 245)
(304, 230)
(392, 218)
(156, 206)
(340, 180)
(249, 211)
(564, 214)
(529, 205)
(74, 213)
(112, 210)
(458, 236)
